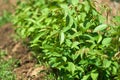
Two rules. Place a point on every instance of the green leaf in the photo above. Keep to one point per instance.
(53, 33)
(83, 15)
(54, 54)
(64, 7)
(106, 41)
(100, 28)
(85, 77)
(74, 2)
(75, 45)
(64, 58)
(55, 65)
(38, 36)
(71, 67)
(60, 0)
(62, 37)
(75, 56)
(87, 6)
(31, 20)
(115, 64)
(94, 76)
(80, 68)
(114, 70)
(75, 35)
(99, 38)
(68, 42)
(106, 63)
(69, 20)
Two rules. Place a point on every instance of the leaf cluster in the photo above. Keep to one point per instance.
(71, 36)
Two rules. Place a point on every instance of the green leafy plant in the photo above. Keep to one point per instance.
(71, 36)
(116, 38)
(6, 71)
(6, 67)
(5, 18)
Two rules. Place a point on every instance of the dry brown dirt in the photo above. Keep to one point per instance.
(26, 65)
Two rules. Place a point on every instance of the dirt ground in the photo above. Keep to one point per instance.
(27, 69)
(26, 65)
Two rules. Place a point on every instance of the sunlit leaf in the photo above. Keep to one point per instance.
(64, 58)
(106, 41)
(62, 37)
(94, 76)
(85, 77)
(69, 20)
(106, 63)
(68, 43)
(99, 38)
(74, 2)
(83, 15)
(87, 6)
(114, 70)
(75, 45)
(100, 28)
(71, 67)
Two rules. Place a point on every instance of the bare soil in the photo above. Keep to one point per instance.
(26, 65)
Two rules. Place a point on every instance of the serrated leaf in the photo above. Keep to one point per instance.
(62, 37)
(94, 76)
(100, 28)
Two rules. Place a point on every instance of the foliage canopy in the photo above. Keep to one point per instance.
(71, 36)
